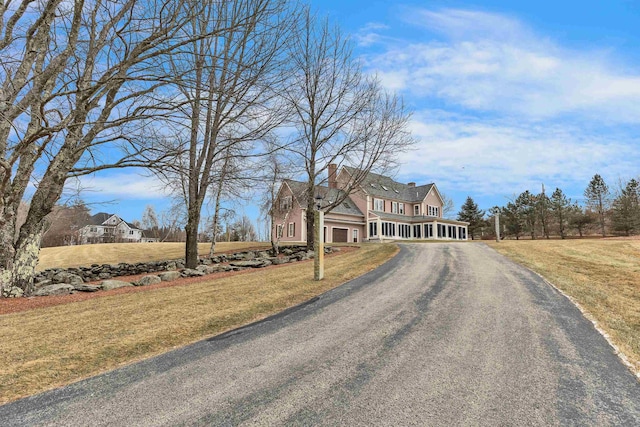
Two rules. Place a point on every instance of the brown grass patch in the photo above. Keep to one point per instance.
(49, 347)
(603, 276)
(114, 253)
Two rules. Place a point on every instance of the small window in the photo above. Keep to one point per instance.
(397, 192)
(279, 231)
(291, 229)
(373, 185)
(286, 203)
(416, 210)
(130, 231)
(346, 205)
(384, 188)
(401, 208)
(394, 207)
(378, 205)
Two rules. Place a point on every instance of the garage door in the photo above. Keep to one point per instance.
(340, 235)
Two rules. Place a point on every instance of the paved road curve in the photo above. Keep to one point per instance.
(444, 334)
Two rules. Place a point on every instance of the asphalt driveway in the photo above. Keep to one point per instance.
(444, 334)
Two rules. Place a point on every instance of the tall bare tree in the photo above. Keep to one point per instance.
(342, 116)
(276, 168)
(75, 90)
(229, 83)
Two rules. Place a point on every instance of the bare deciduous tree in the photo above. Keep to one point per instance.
(150, 220)
(276, 169)
(75, 90)
(229, 83)
(342, 116)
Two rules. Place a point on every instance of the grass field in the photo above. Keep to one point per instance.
(49, 347)
(113, 253)
(603, 276)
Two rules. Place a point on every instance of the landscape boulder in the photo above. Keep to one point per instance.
(169, 276)
(252, 263)
(207, 269)
(57, 289)
(189, 272)
(67, 277)
(45, 282)
(86, 288)
(107, 285)
(148, 280)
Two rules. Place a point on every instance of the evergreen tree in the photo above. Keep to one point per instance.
(526, 208)
(543, 205)
(471, 213)
(560, 206)
(512, 220)
(580, 219)
(625, 216)
(597, 194)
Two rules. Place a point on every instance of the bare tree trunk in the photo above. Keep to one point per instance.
(191, 229)
(214, 225)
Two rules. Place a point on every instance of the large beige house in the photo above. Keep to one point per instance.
(110, 228)
(379, 209)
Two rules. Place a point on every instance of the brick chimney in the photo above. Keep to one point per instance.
(411, 184)
(333, 175)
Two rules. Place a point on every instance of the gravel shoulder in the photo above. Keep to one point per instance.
(443, 334)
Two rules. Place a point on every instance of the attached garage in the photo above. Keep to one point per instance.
(340, 235)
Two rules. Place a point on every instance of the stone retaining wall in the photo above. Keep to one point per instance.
(60, 281)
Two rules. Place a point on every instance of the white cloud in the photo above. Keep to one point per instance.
(504, 158)
(490, 62)
(122, 186)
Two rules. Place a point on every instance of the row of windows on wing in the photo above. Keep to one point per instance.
(108, 231)
(406, 231)
(399, 208)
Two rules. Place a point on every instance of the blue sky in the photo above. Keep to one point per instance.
(506, 96)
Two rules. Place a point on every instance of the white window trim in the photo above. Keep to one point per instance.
(378, 203)
(401, 208)
(291, 229)
(394, 207)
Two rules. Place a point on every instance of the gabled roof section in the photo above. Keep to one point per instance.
(347, 207)
(384, 187)
(299, 190)
(131, 226)
(99, 218)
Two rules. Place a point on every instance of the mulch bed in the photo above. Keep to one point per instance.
(14, 305)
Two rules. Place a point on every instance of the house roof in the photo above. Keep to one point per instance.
(99, 218)
(382, 186)
(131, 226)
(347, 207)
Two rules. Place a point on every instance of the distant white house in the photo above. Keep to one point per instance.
(110, 228)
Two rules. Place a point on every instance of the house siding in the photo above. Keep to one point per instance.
(408, 225)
